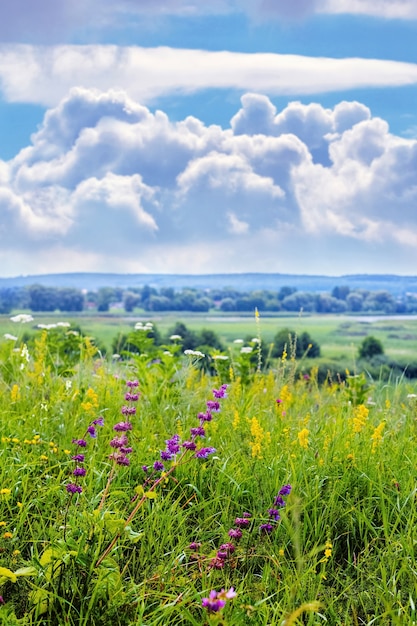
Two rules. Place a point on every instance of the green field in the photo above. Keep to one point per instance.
(338, 336)
(295, 498)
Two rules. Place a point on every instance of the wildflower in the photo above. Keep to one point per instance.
(128, 410)
(229, 547)
(303, 438)
(242, 522)
(5, 491)
(285, 490)
(81, 443)
(194, 545)
(189, 445)
(198, 431)
(7, 535)
(266, 528)
(158, 466)
(2, 524)
(120, 458)
(92, 431)
(377, 436)
(73, 488)
(237, 341)
(79, 471)
(118, 442)
(123, 426)
(217, 601)
(235, 533)
(359, 418)
(203, 453)
(274, 513)
(196, 353)
(22, 318)
(213, 405)
(9, 337)
(246, 350)
(98, 422)
(175, 337)
(132, 383)
(78, 457)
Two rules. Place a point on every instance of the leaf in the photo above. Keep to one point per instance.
(48, 556)
(40, 598)
(151, 495)
(26, 571)
(132, 534)
(7, 574)
(139, 490)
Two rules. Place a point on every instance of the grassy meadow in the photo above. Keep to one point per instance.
(145, 492)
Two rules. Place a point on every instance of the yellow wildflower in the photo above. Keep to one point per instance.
(7, 535)
(15, 440)
(91, 402)
(359, 418)
(19, 504)
(15, 393)
(377, 436)
(281, 552)
(5, 491)
(285, 394)
(43, 457)
(236, 419)
(387, 404)
(258, 434)
(2, 524)
(16, 552)
(303, 438)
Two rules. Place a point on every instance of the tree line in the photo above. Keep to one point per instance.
(40, 298)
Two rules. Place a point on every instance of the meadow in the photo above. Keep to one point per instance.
(143, 491)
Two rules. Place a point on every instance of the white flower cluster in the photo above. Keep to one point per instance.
(196, 353)
(10, 337)
(22, 318)
(141, 326)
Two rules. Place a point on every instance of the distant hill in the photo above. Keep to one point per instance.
(397, 285)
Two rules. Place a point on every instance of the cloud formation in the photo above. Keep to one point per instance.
(107, 185)
(44, 75)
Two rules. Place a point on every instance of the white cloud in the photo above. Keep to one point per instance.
(110, 186)
(44, 75)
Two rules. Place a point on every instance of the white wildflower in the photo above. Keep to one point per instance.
(22, 318)
(194, 353)
(220, 357)
(175, 337)
(246, 350)
(238, 341)
(63, 324)
(10, 337)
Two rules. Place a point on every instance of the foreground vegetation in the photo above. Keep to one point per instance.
(296, 499)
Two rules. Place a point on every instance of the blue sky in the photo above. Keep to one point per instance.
(179, 136)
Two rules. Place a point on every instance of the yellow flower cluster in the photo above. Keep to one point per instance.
(303, 438)
(359, 418)
(236, 419)
(15, 393)
(285, 395)
(328, 547)
(260, 437)
(90, 403)
(377, 436)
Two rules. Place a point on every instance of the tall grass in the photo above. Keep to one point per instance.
(342, 553)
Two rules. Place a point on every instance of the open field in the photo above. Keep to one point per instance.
(131, 493)
(338, 336)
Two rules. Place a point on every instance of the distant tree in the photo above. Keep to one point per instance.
(228, 304)
(107, 296)
(285, 291)
(370, 347)
(70, 299)
(340, 292)
(354, 301)
(42, 298)
(130, 301)
(300, 300)
(294, 345)
(329, 304)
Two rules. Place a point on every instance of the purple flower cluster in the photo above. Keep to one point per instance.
(120, 443)
(273, 513)
(79, 457)
(226, 550)
(217, 600)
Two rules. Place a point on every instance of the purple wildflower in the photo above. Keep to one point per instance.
(173, 445)
(119, 442)
(230, 547)
(80, 442)
(279, 501)
(122, 427)
(128, 410)
(246, 514)
(126, 450)
(242, 522)
(217, 600)
(189, 445)
(145, 468)
(222, 555)
(98, 422)
(194, 545)
(158, 466)
(79, 471)
(166, 456)
(235, 533)
(92, 431)
(119, 458)
(203, 453)
(132, 383)
(73, 488)
(220, 393)
(266, 528)
(131, 397)
(213, 405)
(285, 490)
(205, 417)
(274, 513)
(78, 457)
(198, 431)
(216, 563)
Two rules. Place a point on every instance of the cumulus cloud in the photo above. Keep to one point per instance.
(44, 75)
(109, 185)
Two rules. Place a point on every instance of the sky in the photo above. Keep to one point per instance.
(191, 137)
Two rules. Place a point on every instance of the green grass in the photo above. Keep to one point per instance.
(344, 548)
